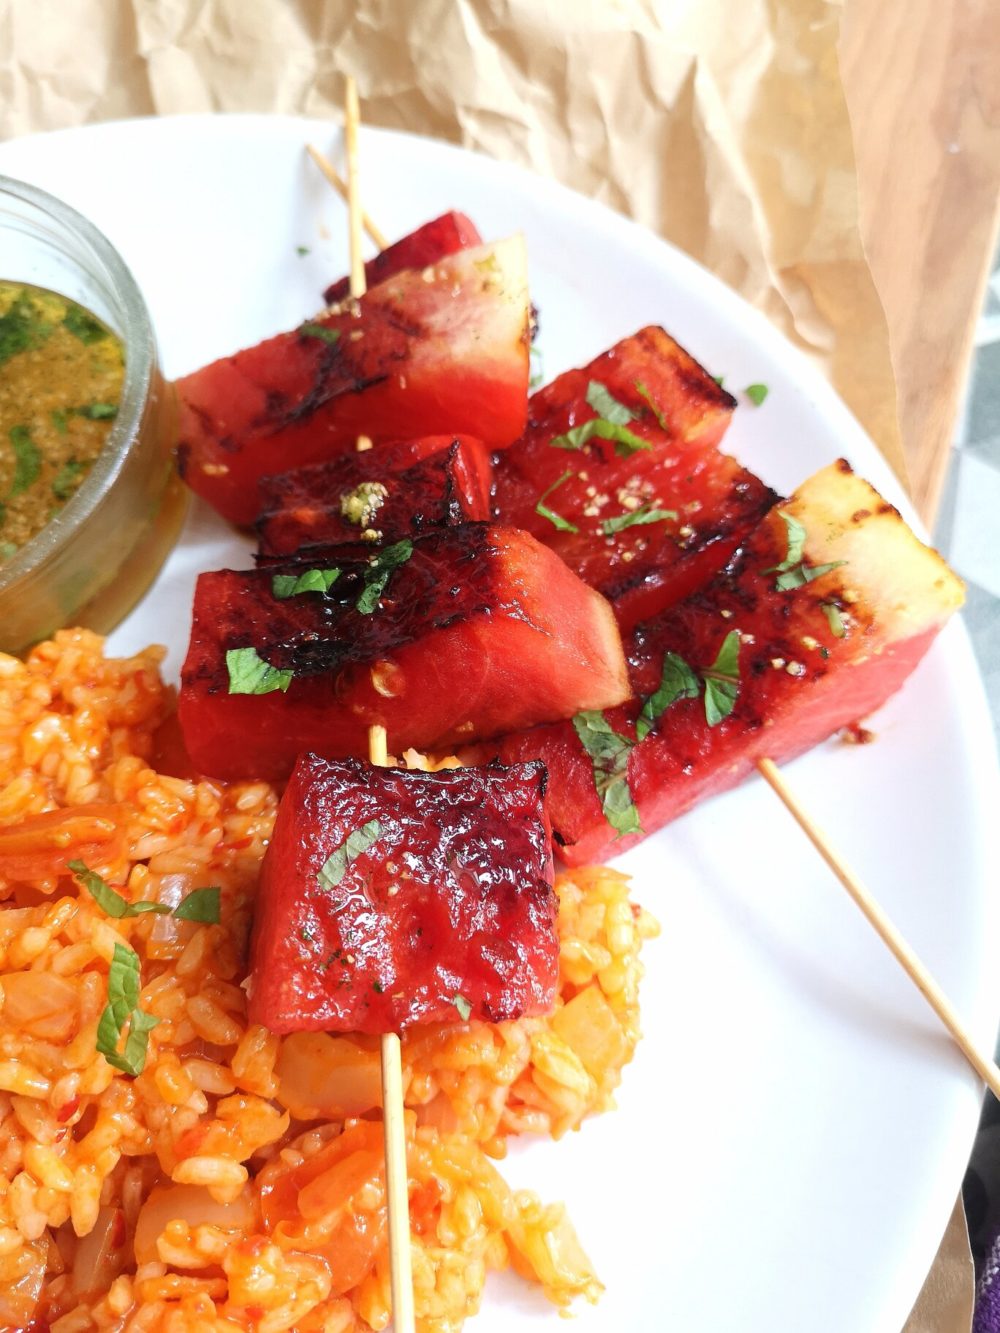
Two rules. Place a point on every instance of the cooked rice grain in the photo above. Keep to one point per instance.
(237, 1183)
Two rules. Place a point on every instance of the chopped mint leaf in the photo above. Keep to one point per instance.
(641, 389)
(677, 681)
(609, 754)
(626, 442)
(463, 1006)
(722, 680)
(331, 336)
(27, 460)
(542, 509)
(756, 393)
(301, 250)
(97, 411)
(796, 542)
(719, 379)
(82, 324)
(378, 573)
(636, 518)
(66, 479)
(200, 905)
(606, 406)
(833, 618)
(536, 367)
(250, 674)
(312, 580)
(357, 842)
(801, 574)
(122, 1008)
(108, 899)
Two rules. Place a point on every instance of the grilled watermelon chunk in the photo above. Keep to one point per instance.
(647, 517)
(389, 898)
(433, 241)
(432, 482)
(426, 353)
(813, 656)
(475, 630)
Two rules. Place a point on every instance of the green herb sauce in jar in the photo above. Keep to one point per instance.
(61, 373)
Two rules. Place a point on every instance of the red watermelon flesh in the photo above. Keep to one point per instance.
(440, 908)
(709, 501)
(431, 482)
(479, 631)
(440, 351)
(800, 679)
(433, 241)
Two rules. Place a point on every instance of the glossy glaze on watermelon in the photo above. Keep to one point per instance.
(429, 352)
(480, 630)
(436, 481)
(812, 658)
(433, 241)
(389, 898)
(607, 522)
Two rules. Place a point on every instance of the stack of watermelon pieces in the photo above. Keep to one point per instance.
(581, 576)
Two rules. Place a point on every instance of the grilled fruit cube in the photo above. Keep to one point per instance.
(644, 521)
(426, 353)
(389, 898)
(433, 241)
(432, 482)
(815, 655)
(480, 630)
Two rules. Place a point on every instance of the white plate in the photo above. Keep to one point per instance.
(793, 1130)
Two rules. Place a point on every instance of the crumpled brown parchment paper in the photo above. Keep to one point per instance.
(721, 127)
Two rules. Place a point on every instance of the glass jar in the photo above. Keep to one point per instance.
(95, 558)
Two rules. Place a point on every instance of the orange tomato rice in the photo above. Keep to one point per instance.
(237, 1182)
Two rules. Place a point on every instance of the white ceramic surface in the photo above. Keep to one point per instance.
(793, 1130)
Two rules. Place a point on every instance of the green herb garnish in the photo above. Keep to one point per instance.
(636, 518)
(356, 843)
(312, 580)
(722, 680)
(756, 393)
(378, 573)
(536, 367)
(301, 250)
(122, 1008)
(796, 542)
(609, 754)
(59, 420)
(611, 423)
(543, 511)
(83, 325)
(719, 379)
(97, 411)
(331, 336)
(677, 681)
(463, 1006)
(66, 479)
(200, 905)
(21, 329)
(801, 574)
(641, 389)
(833, 618)
(27, 460)
(250, 674)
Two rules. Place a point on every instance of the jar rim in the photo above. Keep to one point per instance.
(139, 343)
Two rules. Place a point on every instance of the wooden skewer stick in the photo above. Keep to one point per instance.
(393, 1123)
(340, 185)
(985, 1067)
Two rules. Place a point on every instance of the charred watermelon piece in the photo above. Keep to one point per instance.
(811, 652)
(431, 352)
(432, 482)
(462, 633)
(433, 241)
(646, 516)
(389, 898)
